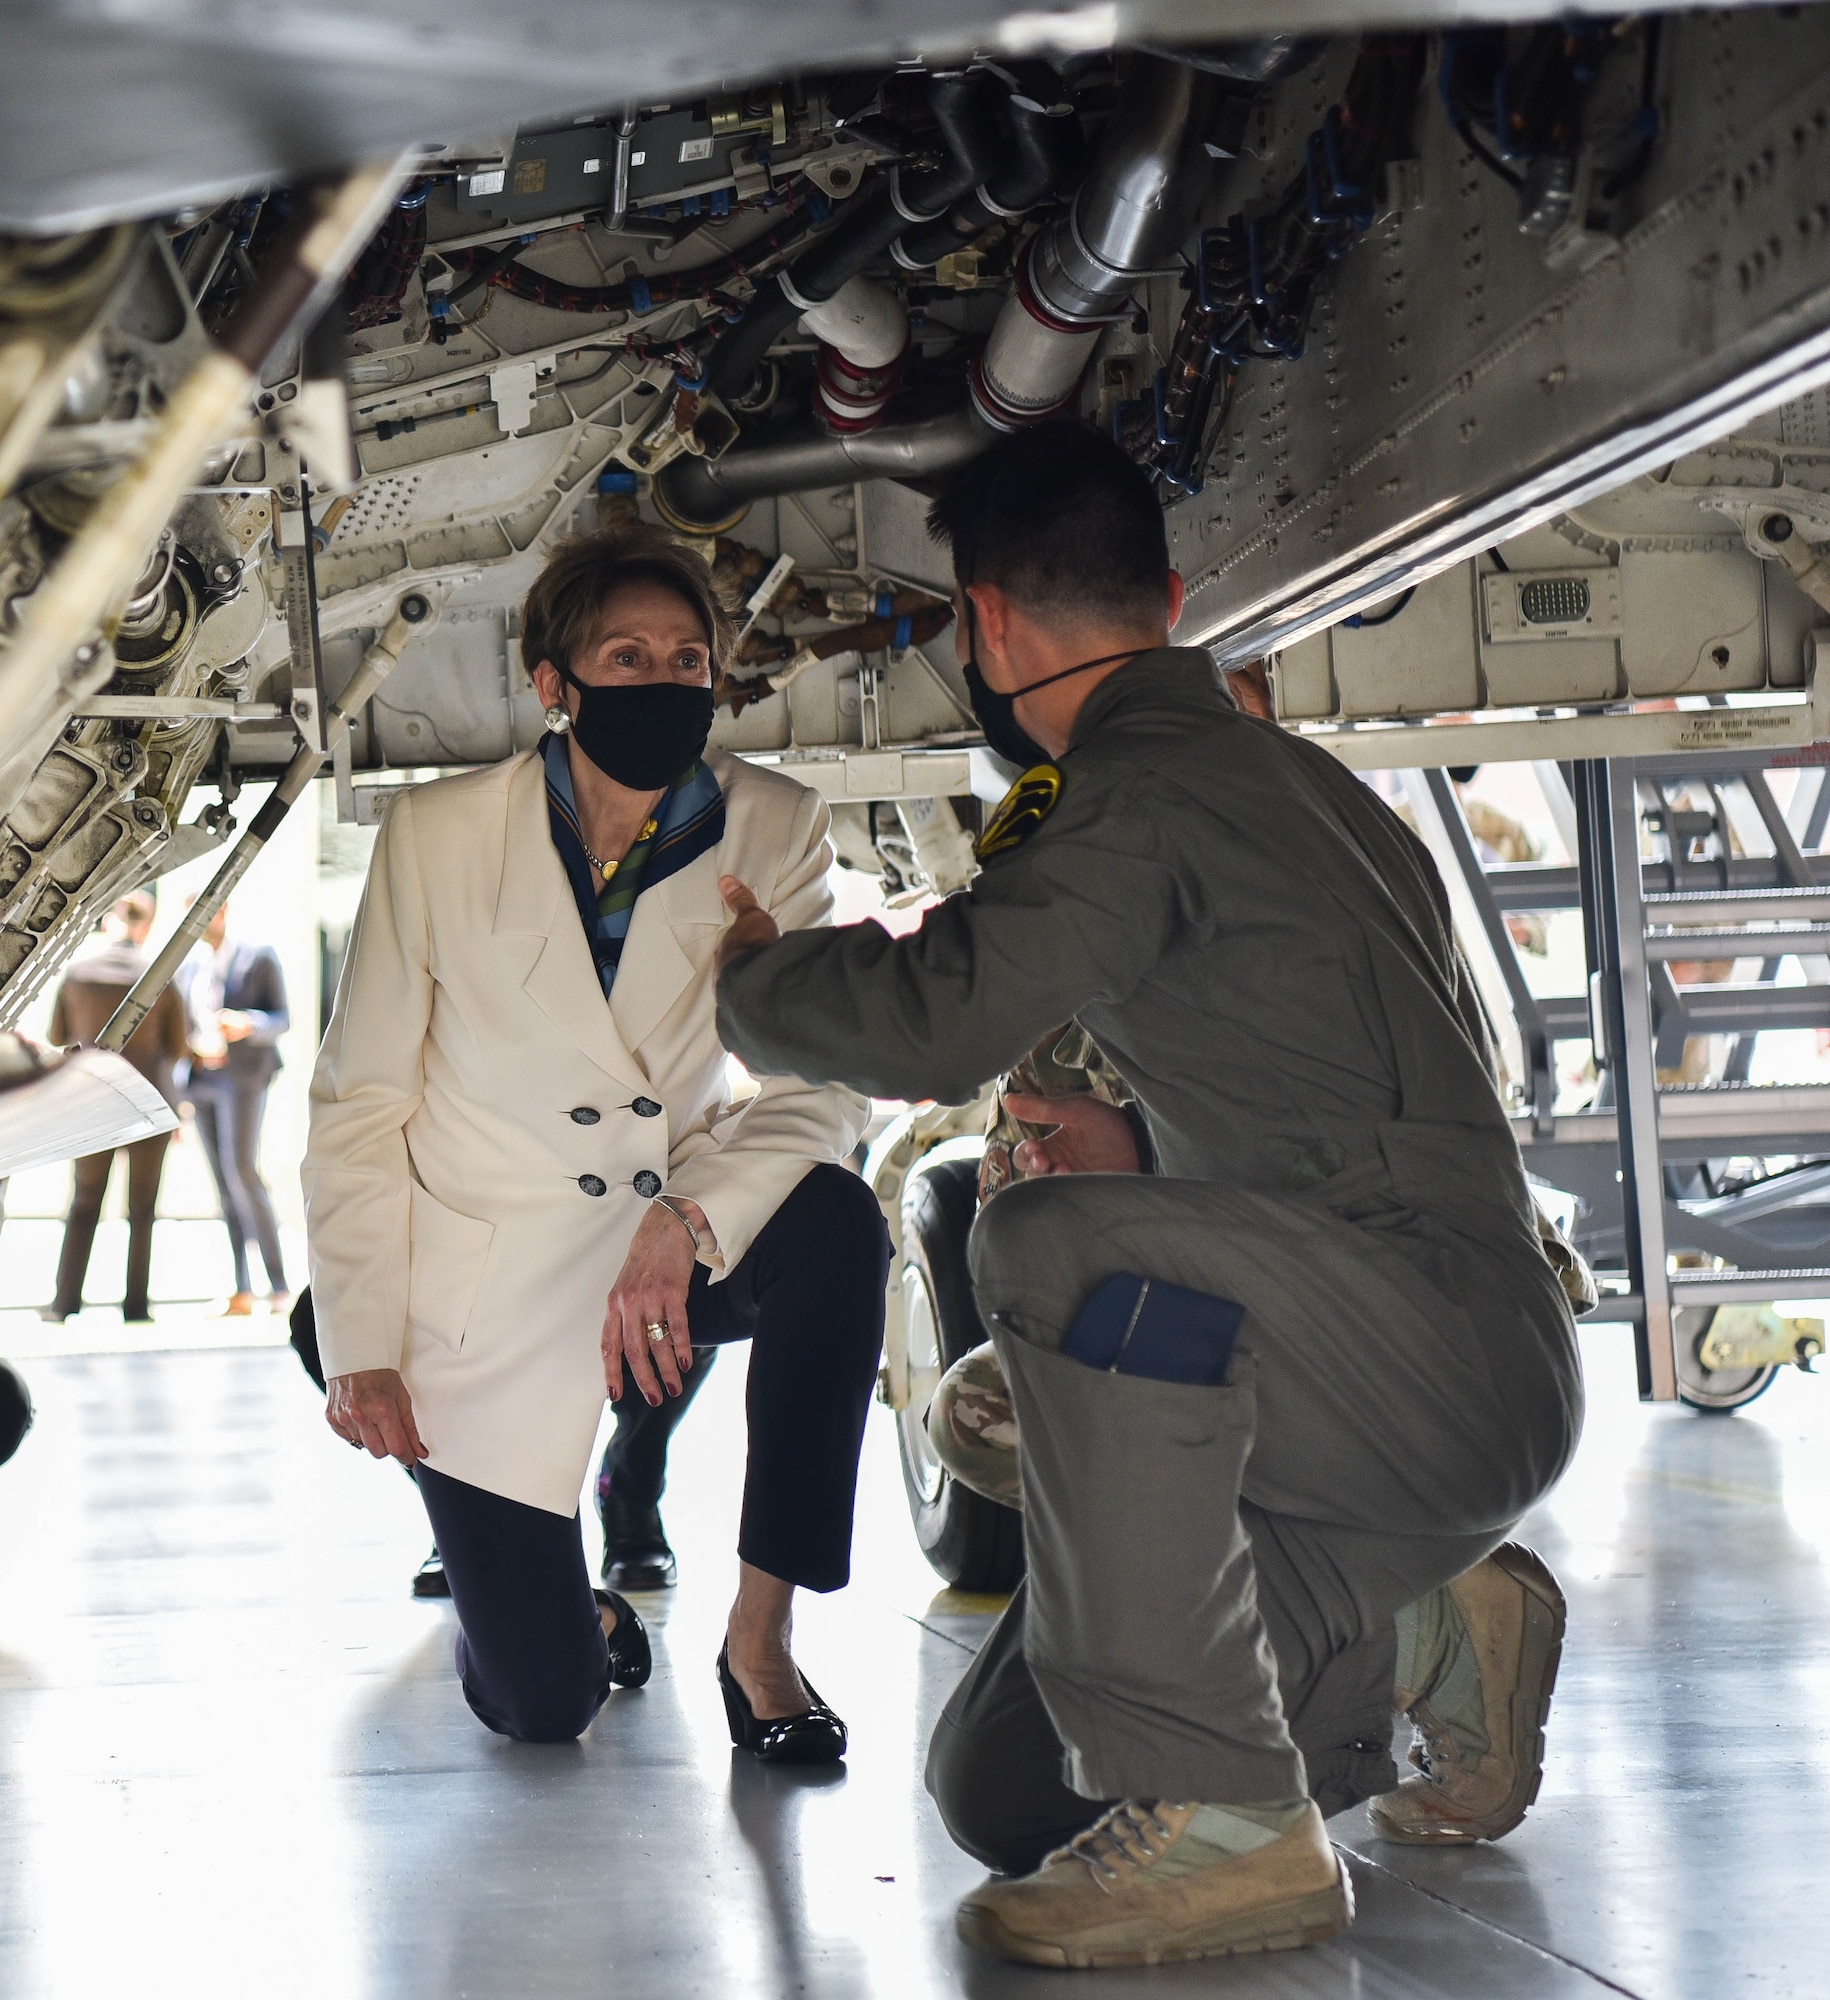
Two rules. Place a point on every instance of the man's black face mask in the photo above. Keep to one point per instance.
(643, 736)
(997, 711)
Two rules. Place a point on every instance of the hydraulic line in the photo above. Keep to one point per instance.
(499, 267)
(698, 494)
(1073, 279)
(1042, 147)
(1255, 277)
(925, 621)
(960, 107)
(1132, 208)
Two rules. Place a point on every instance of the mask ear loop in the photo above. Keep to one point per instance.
(1015, 695)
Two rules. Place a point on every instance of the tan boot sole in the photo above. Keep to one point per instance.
(1541, 1653)
(1310, 1919)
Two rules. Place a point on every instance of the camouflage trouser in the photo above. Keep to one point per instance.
(973, 1428)
(970, 1421)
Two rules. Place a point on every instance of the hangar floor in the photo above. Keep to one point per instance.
(233, 1760)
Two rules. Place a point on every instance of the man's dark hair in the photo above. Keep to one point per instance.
(1060, 520)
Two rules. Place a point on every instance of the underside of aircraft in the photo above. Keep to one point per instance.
(1365, 304)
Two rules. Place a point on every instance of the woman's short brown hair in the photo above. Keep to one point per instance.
(560, 617)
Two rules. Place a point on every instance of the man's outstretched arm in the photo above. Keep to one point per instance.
(1079, 913)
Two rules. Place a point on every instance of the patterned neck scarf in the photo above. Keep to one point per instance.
(688, 821)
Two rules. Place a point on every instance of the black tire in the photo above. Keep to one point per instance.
(972, 1542)
(1712, 1392)
(15, 1411)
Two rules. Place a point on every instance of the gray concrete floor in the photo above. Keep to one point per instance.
(233, 1760)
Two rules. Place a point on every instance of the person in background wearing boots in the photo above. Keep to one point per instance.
(237, 998)
(95, 983)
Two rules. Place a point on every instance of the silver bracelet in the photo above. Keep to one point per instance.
(671, 1204)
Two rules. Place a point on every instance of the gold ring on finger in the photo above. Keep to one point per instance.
(657, 1331)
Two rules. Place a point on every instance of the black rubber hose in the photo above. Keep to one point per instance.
(962, 112)
(740, 353)
(962, 109)
(1042, 147)
(1046, 145)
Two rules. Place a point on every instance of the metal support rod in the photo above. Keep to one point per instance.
(414, 614)
(1471, 932)
(57, 657)
(1792, 863)
(1612, 829)
(1534, 1034)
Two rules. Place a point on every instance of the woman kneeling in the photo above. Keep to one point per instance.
(522, 1084)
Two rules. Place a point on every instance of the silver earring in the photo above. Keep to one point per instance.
(557, 720)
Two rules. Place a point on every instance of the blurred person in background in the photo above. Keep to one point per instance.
(236, 995)
(96, 981)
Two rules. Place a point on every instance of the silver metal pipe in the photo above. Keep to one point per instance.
(413, 614)
(1137, 203)
(618, 210)
(1139, 200)
(700, 490)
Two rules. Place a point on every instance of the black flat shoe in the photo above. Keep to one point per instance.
(636, 1555)
(630, 1660)
(815, 1736)
(429, 1578)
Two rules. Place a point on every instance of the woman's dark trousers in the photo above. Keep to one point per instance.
(808, 1296)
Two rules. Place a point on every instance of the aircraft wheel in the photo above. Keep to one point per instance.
(1714, 1392)
(973, 1542)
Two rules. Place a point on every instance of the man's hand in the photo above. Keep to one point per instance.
(754, 927)
(1089, 1136)
(235, 1025)
(372, 1408)
(651, 1291)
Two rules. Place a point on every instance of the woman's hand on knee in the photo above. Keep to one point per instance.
(1089, 1136)
(650, 1292)
(371, 1408)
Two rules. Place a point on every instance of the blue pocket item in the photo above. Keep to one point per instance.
(1146, 1326)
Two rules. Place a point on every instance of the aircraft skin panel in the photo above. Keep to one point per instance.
(125, 109)
(1457, 385)
(1472, 351)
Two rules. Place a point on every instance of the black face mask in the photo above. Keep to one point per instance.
(997, 714)
(642, 736)
(997, 711)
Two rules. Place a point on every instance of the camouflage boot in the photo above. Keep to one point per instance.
(973, 1428)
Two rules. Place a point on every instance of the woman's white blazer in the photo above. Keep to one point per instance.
(474, 1086)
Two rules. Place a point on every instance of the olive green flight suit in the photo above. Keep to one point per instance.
(1264, 952)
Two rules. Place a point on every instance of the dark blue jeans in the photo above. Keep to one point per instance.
(808, 1296)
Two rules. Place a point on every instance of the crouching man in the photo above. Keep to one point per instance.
(1283, 1395)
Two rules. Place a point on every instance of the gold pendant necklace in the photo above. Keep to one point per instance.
(608, 868)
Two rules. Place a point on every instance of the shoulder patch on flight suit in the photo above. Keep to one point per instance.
(1024, 807)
